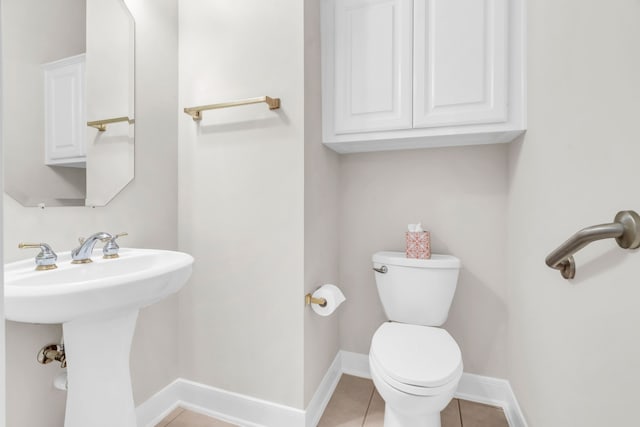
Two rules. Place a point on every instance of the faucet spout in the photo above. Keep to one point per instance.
(82, 254)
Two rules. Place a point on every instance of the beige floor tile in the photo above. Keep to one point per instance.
(193, 419)
(349, 403)
(172, 415)
(375, 414)
(478, 415)
(450, 416)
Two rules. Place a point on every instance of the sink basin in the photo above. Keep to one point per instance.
(139, 277)
(97, 304)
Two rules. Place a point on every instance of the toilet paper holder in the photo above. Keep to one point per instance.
(309, 299)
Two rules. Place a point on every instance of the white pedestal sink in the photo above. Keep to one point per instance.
(98, 305)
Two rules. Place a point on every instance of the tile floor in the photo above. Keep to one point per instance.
(183, 418)
(356, 403)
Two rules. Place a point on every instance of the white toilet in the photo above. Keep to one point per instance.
(415, 365)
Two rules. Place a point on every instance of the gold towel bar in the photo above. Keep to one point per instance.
(101, 125)
(196, 112)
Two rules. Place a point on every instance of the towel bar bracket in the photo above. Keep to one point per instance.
(567, 268)
(630, 238)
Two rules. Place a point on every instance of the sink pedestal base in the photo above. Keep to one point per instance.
(99, 382)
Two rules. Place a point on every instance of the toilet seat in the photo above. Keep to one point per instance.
(410, 389)
(419, 360)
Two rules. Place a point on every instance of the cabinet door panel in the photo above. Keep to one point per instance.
(460, 68)
(64, 110)
(373, 65)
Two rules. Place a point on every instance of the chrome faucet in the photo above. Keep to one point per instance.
(82, 254)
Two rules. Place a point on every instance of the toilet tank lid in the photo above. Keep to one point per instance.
(400, 258)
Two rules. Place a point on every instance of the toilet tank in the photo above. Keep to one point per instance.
(416, 291)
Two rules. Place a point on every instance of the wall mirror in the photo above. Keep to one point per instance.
(68, 70)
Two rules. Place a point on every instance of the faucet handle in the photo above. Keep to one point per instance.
(46, 259)
(110, 249)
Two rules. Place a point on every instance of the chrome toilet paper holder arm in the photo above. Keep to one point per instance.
(309, 299)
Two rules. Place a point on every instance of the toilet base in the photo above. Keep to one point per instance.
(395, 419)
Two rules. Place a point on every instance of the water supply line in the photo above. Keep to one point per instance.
(53, 352)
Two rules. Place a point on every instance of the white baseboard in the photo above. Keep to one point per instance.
(245, 411)
(355, 364)
(236, 408)
(492, 391)
(248, 411)
(476, 388)
(158, 406)
(323, 393)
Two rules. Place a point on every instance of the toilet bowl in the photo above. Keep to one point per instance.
(415, 365)
(416, 370)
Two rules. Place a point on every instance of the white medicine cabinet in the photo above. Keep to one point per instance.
(400, 74)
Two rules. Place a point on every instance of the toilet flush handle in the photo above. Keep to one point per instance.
(382, 269)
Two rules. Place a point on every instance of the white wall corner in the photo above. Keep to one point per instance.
(492, 391)
(236, 408)
(224, 405)
(323, 393)
(355, 364)
(158, 406)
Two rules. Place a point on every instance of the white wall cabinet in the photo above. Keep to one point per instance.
(373, 65)
(401, 74)
(65, 116)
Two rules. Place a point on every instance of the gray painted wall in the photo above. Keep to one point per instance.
(573, 352)
(241, 198)
(575, 337)
(321, 204)
(459, 194)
